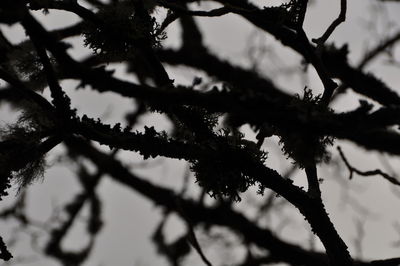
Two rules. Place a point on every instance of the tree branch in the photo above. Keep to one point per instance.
(340, 19)
(366, 173)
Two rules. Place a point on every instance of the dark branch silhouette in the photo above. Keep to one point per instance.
(206, 122)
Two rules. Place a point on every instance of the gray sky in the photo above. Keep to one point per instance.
(229, 37)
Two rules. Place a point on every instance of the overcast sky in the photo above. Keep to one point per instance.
(230, 37)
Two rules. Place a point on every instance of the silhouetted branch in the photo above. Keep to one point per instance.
(26, 92)
(312, 180)
(341, 18)
(211, 13)
(366, 173)
(197, 212)
(70, 6)
(224, 162)
(312, 209)
(387, 262)
(4, 253)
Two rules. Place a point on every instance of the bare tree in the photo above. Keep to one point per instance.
(207, 121)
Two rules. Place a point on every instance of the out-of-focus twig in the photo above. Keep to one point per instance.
(382, 46)
(192, 236)
(358, 239)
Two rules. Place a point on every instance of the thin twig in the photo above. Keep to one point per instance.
(341, 18)
(367, 173)
(212, 13)
(171, 17)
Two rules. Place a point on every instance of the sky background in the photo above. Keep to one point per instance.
(131, 219)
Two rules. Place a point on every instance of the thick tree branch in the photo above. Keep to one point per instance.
(4, 253)
(197, 213)
(333, 59)
(312, 209)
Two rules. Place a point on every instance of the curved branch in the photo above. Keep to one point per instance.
(352, 170)
(341, 18)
